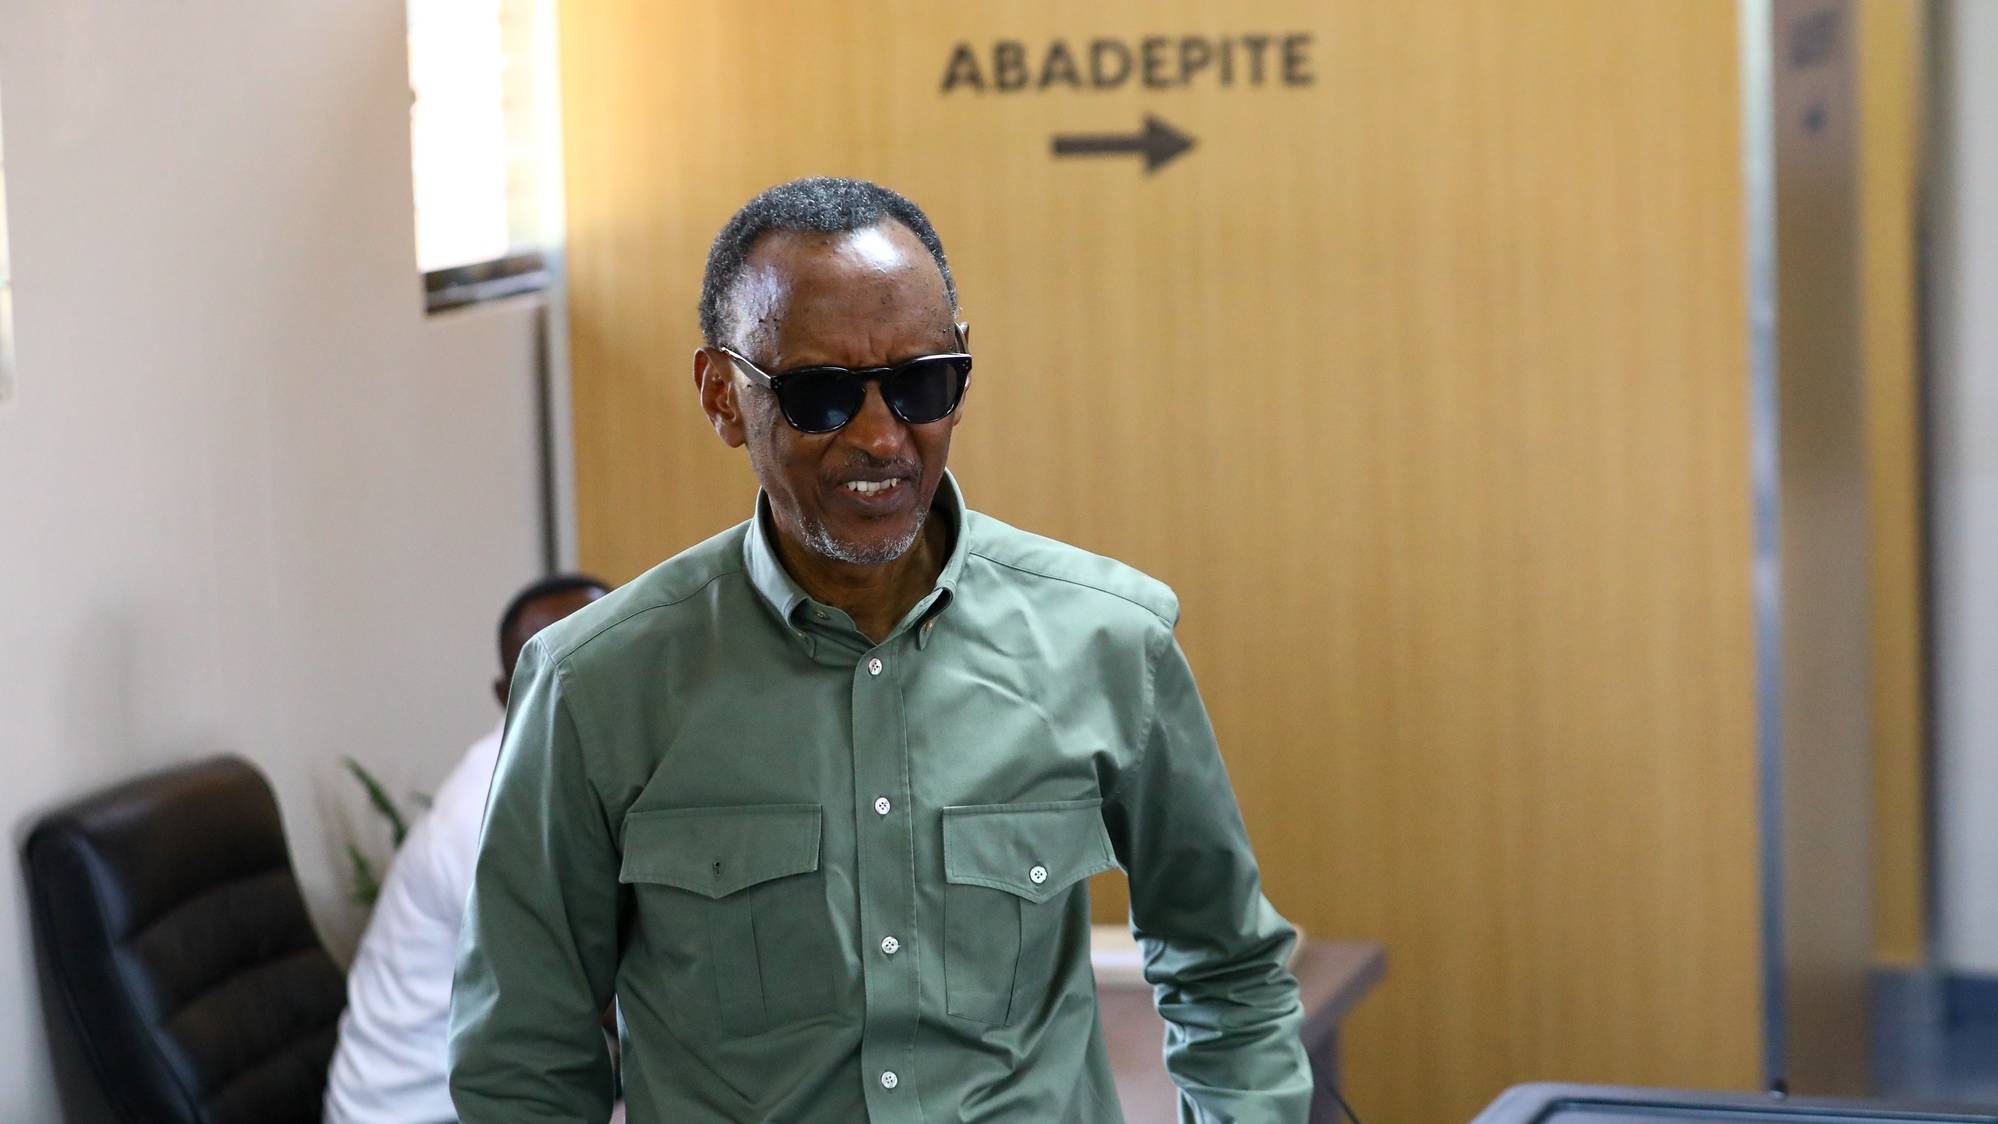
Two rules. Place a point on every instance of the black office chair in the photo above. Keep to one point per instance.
(177, 943)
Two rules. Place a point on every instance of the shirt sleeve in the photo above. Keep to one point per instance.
(537, 956)
(1215, 950)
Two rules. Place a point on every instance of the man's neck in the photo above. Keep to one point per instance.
(876, 597)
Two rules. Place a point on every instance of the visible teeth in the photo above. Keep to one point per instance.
(871, 487)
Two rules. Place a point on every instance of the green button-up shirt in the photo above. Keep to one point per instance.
(833, 880)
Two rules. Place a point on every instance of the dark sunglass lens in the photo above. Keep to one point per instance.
(927, 390)
(818, 402)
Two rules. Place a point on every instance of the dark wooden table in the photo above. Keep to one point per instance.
(1331, 977)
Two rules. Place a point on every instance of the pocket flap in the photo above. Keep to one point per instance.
(1033, 850)
(716, 851)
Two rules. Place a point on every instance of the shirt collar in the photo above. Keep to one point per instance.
(782, 592)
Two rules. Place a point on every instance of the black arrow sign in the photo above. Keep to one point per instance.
(1159, 143)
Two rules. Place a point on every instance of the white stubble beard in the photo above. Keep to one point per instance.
(824, 542)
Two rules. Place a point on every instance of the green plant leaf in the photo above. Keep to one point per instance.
(366, 886)
(379, 797)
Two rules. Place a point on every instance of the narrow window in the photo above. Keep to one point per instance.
(484, 143)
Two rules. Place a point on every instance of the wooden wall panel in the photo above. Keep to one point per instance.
(1425, 387)
(1892, 71)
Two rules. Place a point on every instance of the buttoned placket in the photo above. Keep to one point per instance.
(884, 873)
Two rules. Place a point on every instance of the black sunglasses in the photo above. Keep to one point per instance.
(822, 399)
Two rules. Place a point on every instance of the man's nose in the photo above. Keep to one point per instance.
(875, 430)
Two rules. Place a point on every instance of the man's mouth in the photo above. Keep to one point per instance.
(872, 487)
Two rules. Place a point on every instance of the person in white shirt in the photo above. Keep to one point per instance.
(389, 1067)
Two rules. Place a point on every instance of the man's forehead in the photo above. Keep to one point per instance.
(801, 285)
(804, 263)
(876, 248)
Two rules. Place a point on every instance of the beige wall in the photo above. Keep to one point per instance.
(251, 499)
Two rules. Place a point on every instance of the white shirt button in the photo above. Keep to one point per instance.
(889, 1080)
(874, 666)
(1037, 875)
(881, 805)
(890, 945)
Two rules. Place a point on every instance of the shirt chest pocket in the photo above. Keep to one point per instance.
(1009, 870)
(743, 887)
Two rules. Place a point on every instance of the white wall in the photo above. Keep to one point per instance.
(251, 499)
(1964, 327)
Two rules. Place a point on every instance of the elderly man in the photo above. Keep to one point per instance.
(816, 800)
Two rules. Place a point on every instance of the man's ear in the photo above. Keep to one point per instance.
(715, 380)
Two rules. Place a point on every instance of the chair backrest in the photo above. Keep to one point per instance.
(176, 938)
